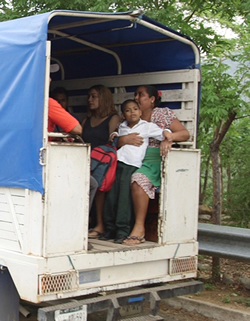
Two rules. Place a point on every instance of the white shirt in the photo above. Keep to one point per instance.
(133, 155)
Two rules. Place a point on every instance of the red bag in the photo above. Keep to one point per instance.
(103, 166)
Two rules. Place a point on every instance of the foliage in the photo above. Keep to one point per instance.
(226, 299)
(188, 17)
(209, 286)
(224, 92)
(238, 201)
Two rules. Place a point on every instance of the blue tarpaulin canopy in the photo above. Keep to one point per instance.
(76, 39)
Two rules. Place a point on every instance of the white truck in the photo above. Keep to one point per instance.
(44, 184)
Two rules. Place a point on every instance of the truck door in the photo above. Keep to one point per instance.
(66, 177)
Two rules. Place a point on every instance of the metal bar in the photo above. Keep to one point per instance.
(92, 45)
(154, 303)
(174, 36)
(123, 298)
(224, 241)
(113, 311)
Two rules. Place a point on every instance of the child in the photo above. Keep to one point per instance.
(118, 207)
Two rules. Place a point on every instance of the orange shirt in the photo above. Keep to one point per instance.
(60, 117)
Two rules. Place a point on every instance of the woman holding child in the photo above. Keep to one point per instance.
(146, 179)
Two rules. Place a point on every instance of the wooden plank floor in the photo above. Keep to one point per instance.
(110, 246)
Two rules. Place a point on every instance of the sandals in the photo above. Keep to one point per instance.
(90, 246)
(136, 240)
(96, 234)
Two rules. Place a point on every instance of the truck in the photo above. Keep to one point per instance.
(44, 182)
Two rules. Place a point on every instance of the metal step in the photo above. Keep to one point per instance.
(114, 302)
(145, 318)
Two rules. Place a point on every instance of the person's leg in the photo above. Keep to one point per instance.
(124, 202)
(92, 192)
(99, 204)
(140, 202)
(110, 209)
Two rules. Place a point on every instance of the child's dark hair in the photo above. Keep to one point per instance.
(124, 104)
(59, 90)
(152, 91)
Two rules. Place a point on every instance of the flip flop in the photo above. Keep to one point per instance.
(96, 236)
(90, 246)
(138, 240)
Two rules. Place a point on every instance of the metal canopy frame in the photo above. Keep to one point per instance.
(134, 17)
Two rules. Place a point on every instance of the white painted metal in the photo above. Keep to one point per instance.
(98, 271)
(46, 93)
(66, 198)
(179, 196)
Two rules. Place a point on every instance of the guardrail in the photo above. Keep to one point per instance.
(224, 241)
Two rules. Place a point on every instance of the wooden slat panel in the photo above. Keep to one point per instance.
(5, 234)
(187, 95)
(18, 200)
(110, 246)
(164, 77)
(4, 207)
(17, 192)
(18, 209)
(3, 198)
(6, 226)
(5, 217)
(178, 95)
(10, 245)
(12, 206)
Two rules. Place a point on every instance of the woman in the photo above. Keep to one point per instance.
(146, 179)
(101, 121)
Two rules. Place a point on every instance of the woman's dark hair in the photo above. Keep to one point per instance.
(152, 91)
(124, 104)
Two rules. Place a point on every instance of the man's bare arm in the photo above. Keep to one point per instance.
(77, 130)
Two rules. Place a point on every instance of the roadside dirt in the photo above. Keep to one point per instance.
(233, 296)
